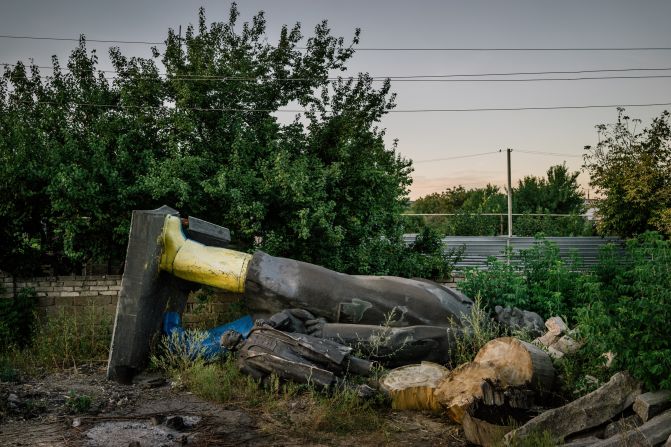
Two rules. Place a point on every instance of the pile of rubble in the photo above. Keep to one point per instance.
(503, 395)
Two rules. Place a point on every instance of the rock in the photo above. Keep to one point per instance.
(582, 442)
(157, 419)
(175, 422)
(651, 404)
(555, 353)
(567, 345)
(556, 326)
(653, 432)
(668, 442)
(518, 319)
(585, 412)
(622, 425)
(76, 422)
(547, 339)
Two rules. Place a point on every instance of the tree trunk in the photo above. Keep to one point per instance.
(412, 387)
(506, 362)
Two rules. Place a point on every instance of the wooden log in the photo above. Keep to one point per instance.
(412, 387)
(651, 404)
(585, 412)
(653, 432)
(507, 361)
(480, 432)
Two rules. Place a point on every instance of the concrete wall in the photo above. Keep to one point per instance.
(66, 294)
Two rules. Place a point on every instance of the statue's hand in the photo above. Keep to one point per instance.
(315, 327)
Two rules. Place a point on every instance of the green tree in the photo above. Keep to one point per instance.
(80, 151)
(632, 172)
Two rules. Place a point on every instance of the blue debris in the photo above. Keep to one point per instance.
(210, 347)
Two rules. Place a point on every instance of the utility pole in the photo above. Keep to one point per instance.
(510, 203)
(510, 200)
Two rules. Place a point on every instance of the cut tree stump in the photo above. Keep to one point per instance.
(412, 387)
(653, 432)
(651, 404)
(506, 361)
(585, 412)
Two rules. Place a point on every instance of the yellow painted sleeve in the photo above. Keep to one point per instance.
(213, 266)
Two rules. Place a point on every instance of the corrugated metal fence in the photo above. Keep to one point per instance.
(478, 248)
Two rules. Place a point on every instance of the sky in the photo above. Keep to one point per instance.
(434, 141)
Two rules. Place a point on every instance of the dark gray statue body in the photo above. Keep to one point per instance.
(274, 284)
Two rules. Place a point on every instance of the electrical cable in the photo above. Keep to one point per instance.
(483, 109)
(494, 49)
(457, 157)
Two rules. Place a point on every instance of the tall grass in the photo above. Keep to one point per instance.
(65, 340)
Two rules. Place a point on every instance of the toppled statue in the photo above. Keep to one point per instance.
(389, 346)
(291, 356)
(160, 251)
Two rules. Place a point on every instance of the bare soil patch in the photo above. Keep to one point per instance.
(54, 411)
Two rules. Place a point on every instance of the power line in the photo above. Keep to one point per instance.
(518, 49)
(554, 154)
(243, 110)
(456, 157)
(72, 39)
(399, 78)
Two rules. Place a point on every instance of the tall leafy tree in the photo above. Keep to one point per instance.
(206, 136)
(632, 171)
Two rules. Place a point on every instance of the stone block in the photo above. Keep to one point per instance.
(73, 283)
(63, 294)
(109, 293)
(99, 288)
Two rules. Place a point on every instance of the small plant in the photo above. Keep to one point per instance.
(180, 351)
(479, 329)
(78, 403)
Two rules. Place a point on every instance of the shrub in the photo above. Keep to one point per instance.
(630, 309)
(535, 279)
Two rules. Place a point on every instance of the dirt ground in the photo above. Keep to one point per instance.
(46, 412)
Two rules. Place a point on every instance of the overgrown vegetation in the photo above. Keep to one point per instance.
(628, 309)
(535, 279)
(620, 306)
(79, 152)
(63, 340)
